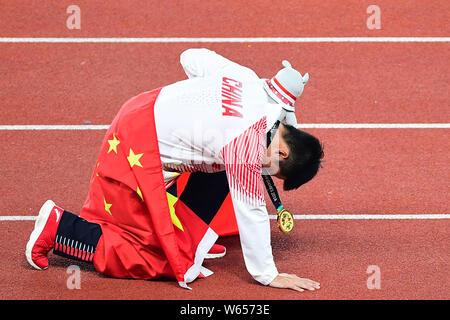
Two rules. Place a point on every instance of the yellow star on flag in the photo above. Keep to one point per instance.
(172, 199)
(133, 159)
(139, 192)
(107, 206)
(113, 144)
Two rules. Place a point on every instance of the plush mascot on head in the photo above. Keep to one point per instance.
(285, 88)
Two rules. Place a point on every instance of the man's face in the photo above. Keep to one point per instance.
(276, 152)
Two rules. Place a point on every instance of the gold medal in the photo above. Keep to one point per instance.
(285, 220)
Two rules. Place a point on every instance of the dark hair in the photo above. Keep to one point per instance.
(304, 160)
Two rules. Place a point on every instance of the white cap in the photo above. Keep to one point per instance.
(286, 86)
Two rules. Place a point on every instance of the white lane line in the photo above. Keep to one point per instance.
(367, 216)
(303, 125)
(17, 218)
(52, 127)
(226, 40)
(313, 217)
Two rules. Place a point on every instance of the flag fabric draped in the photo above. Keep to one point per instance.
(223, 219)
(143, 238)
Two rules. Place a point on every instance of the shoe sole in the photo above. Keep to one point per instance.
(215, 255)
(41, 221)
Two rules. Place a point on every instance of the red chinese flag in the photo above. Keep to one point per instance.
(141, 238)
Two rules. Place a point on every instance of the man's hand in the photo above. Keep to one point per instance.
(291, 281)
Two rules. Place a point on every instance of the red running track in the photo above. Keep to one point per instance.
(356, 83)
(412, 256)
(215, 18)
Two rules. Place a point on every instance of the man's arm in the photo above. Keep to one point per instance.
(242, 158)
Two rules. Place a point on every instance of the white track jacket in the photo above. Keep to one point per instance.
(214, 121)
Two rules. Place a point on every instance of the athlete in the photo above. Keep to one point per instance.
(226, 127)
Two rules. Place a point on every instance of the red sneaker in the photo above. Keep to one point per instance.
(42, 238)
(216, 251)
